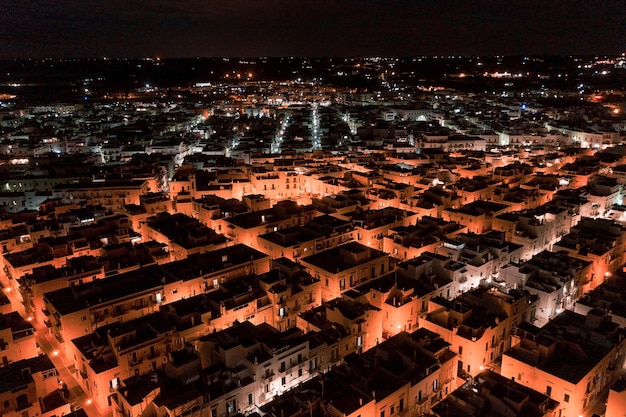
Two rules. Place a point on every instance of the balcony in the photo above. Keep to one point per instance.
(493, 346)
(154, 354)
(23, 406)
(446, 381)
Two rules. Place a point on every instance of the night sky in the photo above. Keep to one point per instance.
(209, 28)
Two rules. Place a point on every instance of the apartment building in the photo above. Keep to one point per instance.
(31, 387)
(346, 266)
(491, 392)
(110, 194)
(477, 216)
(599, 241)
(17, 338)
(319, 234)
(555, 277)
(75, 311)
(478, 324)
(247, 227)
(572, 359)
(535, 230)
(407, 374)
(182, 234)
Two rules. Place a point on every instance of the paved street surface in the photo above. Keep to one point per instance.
(49, 345)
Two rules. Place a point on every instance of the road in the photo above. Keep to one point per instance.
(49, 345)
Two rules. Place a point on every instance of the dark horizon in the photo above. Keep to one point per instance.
(72, 29)
(312, 57)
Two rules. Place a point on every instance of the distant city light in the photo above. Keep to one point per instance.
(272, 200)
